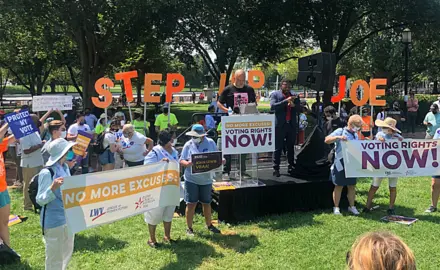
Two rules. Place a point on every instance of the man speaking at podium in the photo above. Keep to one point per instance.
(233, 96)
(285, 106)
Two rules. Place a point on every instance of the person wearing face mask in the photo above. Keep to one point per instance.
(139, 124)
(31, 160)
(388, 132)
(197, 187)
(102, 124)
(90, 119)
(134, 146)
(72, 134)
(432, 121)
(397, 114)
(337, 172)
(332, 121)
(162, 152)
(161, 122)
(45, 134)
(59, 241)
(111, 146)
(56, 130)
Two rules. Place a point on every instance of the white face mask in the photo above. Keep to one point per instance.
(63, 134)
(355, 129)
(122, 122)
(329, 118)
(173, 143)
(197, 140)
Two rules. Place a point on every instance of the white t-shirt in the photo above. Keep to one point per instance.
(35, 158)
(91, 120)
(134, 148)
(109, 138)
(73, 129)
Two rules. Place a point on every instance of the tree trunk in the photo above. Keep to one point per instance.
(139, 87)
(435, 90)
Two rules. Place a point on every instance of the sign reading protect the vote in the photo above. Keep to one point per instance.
(245, 134)
(21, 124)
(206, 162)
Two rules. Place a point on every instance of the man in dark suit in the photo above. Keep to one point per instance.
(285, 106)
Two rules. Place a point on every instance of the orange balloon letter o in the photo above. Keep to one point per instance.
(365, 96)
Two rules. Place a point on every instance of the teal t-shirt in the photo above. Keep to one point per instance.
(434, 120)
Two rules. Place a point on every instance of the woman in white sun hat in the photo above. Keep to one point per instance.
(388, 132)
(58, 240)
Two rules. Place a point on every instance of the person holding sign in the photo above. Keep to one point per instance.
(162, 119)
(435, 186)
(133, 146)
(337, 172)
(31, 160)
(57, 238)
(5, 200)
(162, 152)
(388, 132)
(139, 124)
(72, 135)
(197, 187)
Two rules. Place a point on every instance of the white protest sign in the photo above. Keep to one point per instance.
(244, 134)
(46, 103)
(94, 199)
(391, 158)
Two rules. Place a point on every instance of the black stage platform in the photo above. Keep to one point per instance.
(280, 195)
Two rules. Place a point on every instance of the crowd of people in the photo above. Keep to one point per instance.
(121, 141)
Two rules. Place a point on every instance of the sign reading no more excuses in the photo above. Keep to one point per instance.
(244, 134)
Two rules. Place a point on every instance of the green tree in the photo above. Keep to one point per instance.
(339, 26)
(222, 31)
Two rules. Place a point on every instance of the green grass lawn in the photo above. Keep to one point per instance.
(313, 240)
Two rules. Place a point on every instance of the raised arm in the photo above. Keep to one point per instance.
(61, 116)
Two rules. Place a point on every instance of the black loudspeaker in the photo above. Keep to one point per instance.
(317, 71)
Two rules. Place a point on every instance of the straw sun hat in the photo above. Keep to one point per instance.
(387, 123)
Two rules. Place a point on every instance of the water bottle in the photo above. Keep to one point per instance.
(230, 111)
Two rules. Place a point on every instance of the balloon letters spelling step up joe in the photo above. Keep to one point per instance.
(370, 92)
(149, 87)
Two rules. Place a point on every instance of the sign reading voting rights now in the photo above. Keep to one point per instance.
(21, 124)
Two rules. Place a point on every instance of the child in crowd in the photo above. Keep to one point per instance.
(57, 238)
(337, 173)
(388, 132)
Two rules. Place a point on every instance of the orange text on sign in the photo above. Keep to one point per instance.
(370, 92)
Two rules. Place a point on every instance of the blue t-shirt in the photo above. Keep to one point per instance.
(209, 121)
(158, 153)
(342, 132)
(207, 145)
